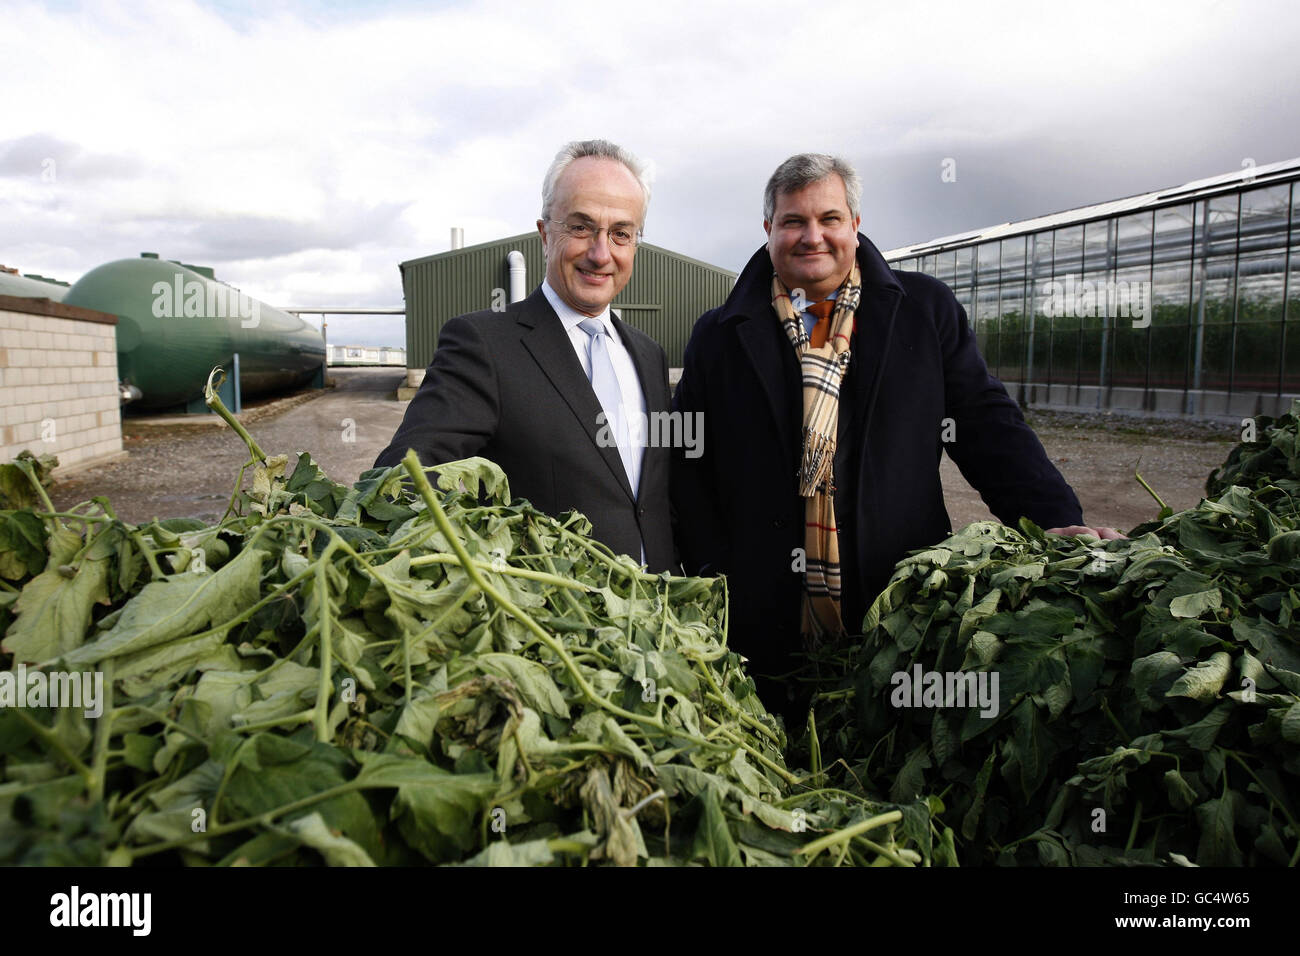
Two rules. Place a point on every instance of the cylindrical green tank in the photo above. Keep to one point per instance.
(176, 323)
(29, 288)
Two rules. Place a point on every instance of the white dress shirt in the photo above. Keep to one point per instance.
(631, 443)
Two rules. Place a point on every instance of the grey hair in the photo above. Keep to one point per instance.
(805, 169)
(601, 148)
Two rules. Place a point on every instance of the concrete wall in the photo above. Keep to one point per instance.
(1155, 402)
(58, 383)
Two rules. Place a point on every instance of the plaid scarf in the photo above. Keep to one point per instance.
(823, 368)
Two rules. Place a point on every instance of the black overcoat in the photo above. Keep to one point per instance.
(915, 378)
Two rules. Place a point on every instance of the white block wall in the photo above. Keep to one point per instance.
(58, 384)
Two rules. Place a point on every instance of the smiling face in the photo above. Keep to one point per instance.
(812, 239)
(603, 193)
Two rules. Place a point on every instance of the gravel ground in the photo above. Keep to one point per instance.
(186, 470)
(1098, 455)
(190, 471)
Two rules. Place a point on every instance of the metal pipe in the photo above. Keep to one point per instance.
(518, 275)
(316, 310)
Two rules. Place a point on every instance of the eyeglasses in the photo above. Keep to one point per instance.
(582, 231)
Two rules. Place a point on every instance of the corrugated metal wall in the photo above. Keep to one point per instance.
(664, 297)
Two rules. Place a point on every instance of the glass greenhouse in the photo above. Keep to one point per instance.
(1185, 300)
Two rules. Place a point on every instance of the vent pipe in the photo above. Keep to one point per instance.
(457, 237)
(518, 275)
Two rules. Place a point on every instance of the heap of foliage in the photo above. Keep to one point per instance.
(1149, 688)
(390, 674)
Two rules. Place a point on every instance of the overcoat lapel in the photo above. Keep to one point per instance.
(873, 334)
(764, 344)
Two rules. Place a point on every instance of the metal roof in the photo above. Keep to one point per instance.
(527, 236)
(664, 296)
(1251, 177)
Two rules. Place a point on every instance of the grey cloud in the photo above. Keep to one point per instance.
(30, 156)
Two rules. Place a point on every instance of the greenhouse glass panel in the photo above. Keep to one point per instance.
(986, 321)
(1133, 240)
(1013, 259)
(1171, 294)
(1169, 356)
(1261, 286)
(1011, 332)
(1291, 351)
(945, 268)
(1131, 311)
(1173, 233)
(1067, 256)
(962, 277)
(1215, 291)
(1096, 238)
(1264, 218)
(1090, 350)
(1221, 226)
(1216, 357)
(1255, 366)
(987, 263)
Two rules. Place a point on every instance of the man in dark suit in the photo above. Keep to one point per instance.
(552, 389)
(829, 393)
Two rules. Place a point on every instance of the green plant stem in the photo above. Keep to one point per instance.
(51, 739)
(412, 463)
(214, 402)
(1268, 793)
(551, 579)
(848, 833)
(25, 466)
(1150, 490)
(103, 730)
(776, 768)
(326, 686)
(884, 851)
(1133, 829)
(291, 720)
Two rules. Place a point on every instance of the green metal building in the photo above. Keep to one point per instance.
(664, 297)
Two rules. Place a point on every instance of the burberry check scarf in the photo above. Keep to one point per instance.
(823, 369)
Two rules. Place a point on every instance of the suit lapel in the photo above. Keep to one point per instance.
(545, 339)
(648, 370)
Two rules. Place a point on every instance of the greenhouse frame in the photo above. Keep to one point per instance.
(1184, 301)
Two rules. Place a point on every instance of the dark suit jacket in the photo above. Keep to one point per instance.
(914, 363)
(509, 387)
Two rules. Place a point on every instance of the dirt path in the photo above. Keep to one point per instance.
(1097, 455)
(190, 471)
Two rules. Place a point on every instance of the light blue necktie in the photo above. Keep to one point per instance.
(604, 383)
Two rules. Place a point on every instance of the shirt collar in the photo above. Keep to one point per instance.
(571, 316)
(830, 298)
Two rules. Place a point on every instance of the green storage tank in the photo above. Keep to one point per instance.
(175, 322)
(32, 287)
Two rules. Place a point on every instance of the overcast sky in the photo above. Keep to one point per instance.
(305, 149)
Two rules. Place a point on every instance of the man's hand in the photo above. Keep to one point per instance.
(1106, 534)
